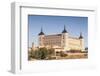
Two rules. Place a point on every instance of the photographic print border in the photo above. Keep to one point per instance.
(69, 23)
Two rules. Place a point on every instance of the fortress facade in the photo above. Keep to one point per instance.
(62, 41)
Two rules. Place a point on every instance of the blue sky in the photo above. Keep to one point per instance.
(55, 24)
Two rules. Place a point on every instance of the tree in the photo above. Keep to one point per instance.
(51, 51)
(62, 54)
(86, 48)
(42, 53)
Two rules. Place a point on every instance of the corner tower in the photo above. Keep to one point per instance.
(81, 42)
(65, 39)
(41, 38)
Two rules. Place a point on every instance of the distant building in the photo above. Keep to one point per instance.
(61, 42)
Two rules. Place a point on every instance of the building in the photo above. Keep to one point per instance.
(61, 42)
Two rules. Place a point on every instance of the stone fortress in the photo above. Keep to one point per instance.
(62, 41)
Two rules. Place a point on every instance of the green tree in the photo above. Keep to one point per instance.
(51, 51)
(42, 53)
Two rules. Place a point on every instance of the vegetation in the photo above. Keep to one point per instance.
(86, 48)
(42, 53)
(75, 51)
(62, 54)
(50, 54)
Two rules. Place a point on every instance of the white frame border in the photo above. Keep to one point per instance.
(16, 30)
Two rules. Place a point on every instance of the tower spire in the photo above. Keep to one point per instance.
(64, 27)
(41, 33)
(41, 29)
(64, 31)
(80, 37)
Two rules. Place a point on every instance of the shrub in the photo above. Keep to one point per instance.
(62, 54)
(41, 53)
